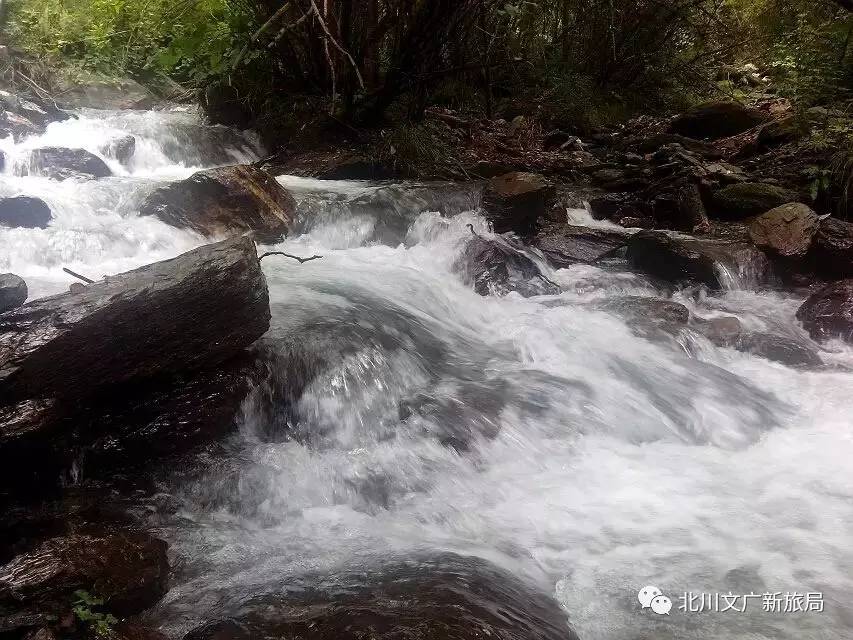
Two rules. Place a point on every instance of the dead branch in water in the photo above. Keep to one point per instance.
(78, 276)
(287, 255)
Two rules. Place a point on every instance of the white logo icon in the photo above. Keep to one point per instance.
(652, 597)
(661, 605)
(647, 594)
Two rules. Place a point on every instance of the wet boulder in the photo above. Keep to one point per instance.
(680, 259)
(723, 331)
(715, 120)
(832, 249)
(828, 313)
(497, 267)
(445, 596)
(128, 570)
(139, 365)
(13, 291)
(691, 210)
(182, 314)
(778, 349)
(785, 231)
(741, 200)
(24, 211)
(566, 245)
(616, 206)
(515, 201)
(60, 163)
(225, 200)
(121, 148)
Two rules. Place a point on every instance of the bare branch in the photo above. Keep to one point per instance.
(287, 255)
(336, 45)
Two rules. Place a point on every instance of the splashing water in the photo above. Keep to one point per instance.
(543, 434)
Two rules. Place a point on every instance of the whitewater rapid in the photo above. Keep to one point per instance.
(543, 434)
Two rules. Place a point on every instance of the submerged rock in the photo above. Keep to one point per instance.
(24, 211)
(495, 267)
(779, 349)
(515, 201)
(128, 570)
(680, 259)
(60, 163)
(13, 291)
(714, 120)
(225, 200)
(741, 200)
(446, 596)
(785, 231)
(121, 148)
(829, 312)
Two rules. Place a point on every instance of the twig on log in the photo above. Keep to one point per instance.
(78, 276)
(287, 255)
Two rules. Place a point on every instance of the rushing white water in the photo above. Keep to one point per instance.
(542, 434)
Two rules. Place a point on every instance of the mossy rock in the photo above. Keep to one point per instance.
(715, 120)
(738, 201)
(788, 129)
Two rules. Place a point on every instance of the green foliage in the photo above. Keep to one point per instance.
(804, 44)
(189, 40)
(85, 611)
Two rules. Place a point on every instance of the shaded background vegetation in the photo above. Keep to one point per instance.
(578, 63)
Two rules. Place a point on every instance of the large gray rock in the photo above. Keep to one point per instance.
(24, 211)
(829, 312)
(13, 291)
(714, 120)
(60, 163)
(515, 201)
(680, 259)
(496, 267)
(193, 311)
(566, 245)
(785, 231)
(128, 570)
(225, 200)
